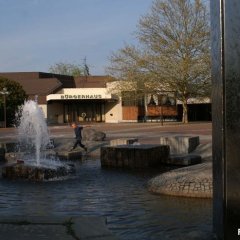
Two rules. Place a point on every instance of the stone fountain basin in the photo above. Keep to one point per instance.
(36, 173)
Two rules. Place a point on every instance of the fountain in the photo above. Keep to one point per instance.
(33, 159)
(32, 129)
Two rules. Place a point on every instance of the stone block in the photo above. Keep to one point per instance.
(90, 134)
(34, 231)
(123, 141)
(69, 155)
(180, 144)
(134, 156)
(184, 160)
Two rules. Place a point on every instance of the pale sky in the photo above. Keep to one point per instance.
(35, 34)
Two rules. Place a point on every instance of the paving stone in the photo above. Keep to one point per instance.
(51, 228)
(51, 220)
(33, 232)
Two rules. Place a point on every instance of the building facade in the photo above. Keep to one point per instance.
(64, 99)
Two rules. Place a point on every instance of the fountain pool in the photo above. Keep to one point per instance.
(132, 213)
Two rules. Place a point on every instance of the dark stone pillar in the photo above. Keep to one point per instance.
(225, 29)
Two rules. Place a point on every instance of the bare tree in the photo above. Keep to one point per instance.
(173, 52)
(67, 69)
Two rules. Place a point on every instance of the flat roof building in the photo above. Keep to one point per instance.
(64, 99)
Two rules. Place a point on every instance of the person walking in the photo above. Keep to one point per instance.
(78, 133)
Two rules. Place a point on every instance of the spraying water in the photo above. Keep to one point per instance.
(32, 129)
(36, 159)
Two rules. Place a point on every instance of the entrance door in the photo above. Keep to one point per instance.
(84, 111)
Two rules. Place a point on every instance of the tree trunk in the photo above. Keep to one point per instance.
(185, 111)
(145, 107)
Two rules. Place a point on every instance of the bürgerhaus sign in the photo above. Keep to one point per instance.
(81, 96)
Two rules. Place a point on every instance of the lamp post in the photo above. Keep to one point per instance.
(4, 92)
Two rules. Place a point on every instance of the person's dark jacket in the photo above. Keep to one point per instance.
(78, 132)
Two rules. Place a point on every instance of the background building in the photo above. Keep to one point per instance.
(65, 99)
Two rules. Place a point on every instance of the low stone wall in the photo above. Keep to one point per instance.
(184, 159)
(180, 144)
(35, 173)
(134, 156)
(193, 181)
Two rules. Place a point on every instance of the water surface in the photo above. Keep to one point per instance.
(120, 196)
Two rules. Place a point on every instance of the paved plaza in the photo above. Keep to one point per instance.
(145, 132)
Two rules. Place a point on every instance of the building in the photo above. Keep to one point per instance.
(64, 99)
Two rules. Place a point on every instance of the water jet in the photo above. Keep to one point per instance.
(33, 160)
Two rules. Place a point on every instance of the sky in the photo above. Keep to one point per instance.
(36, 34)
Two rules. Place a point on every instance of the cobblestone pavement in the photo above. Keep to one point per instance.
(193, 181)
